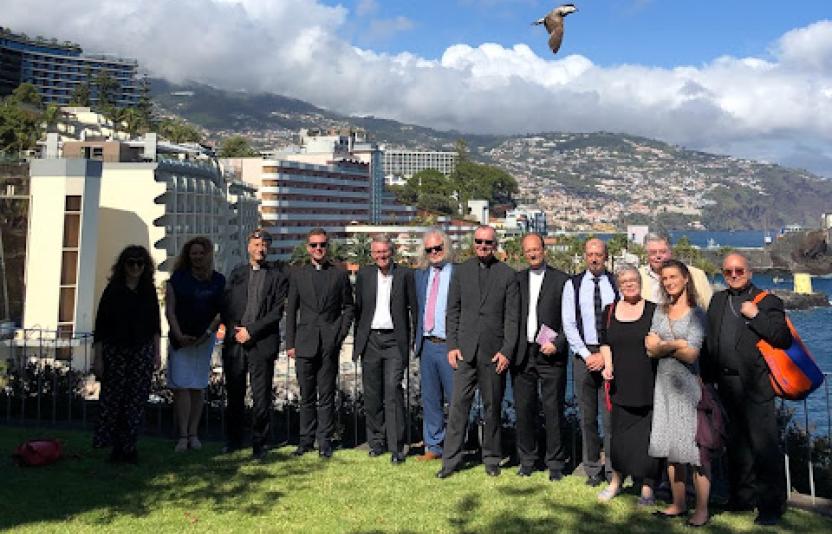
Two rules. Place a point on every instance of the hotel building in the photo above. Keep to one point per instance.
(56, 69)
(400, 165)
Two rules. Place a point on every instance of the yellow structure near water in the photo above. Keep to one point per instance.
(803, 283)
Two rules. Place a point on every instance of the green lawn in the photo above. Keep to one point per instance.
(206, 491)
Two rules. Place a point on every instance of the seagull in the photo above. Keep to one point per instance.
(553, 22)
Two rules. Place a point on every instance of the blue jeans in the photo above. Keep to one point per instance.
(436, 386)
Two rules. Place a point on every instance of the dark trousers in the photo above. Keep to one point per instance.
(316, 378)
(756, 471)
(124, 390)
(550, 374)
(589, 387)
(436, 385)
(383, 370)
(238, 364)
(470, 374)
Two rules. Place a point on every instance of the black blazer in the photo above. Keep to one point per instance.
(485, 321)
(318, 318)
(548, 312)
(403, 307)
(769, 324)
(265, 330)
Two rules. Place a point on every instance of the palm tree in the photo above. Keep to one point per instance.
(358, 250)
(299, 255)
(135, 121)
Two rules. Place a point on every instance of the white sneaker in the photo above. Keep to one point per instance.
(181, 445)
(194, 443)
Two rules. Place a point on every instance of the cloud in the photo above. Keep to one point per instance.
(366, 7)
(770, 107)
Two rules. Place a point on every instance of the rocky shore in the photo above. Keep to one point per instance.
(797, 301)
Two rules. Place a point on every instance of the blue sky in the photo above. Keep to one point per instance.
(749, 78)
(664, 33)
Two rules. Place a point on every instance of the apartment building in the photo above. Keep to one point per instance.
(57, 68)
(399, 165)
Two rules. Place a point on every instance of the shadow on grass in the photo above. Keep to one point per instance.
(85, 483)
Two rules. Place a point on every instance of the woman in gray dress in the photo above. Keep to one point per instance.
(676, 335)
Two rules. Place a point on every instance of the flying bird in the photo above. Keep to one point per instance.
(553, 22)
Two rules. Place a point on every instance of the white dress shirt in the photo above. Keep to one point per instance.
(535, 283)
(382, 320)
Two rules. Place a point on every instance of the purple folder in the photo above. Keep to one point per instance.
(545, 335)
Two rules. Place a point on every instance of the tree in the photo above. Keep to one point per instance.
(81, 95)
(116, 116)
(236, 146)
(513, 249)
(26, 93)
(178, 131)
(106, 89)
(478, 181)
(617, 244)
(358, 249)
(299, 255)
(135, 121)
(51, 117)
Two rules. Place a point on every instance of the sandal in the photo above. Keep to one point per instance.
(608, 494)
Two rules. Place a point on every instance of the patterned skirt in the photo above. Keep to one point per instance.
(673, 433)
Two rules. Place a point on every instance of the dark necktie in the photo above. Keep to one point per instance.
(596, 299)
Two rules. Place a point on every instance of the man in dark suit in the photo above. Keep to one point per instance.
(482, 322)
(540, 361)
(755, 461)
(385, 313)
(319, 313)
(436, 376)
(251, 311)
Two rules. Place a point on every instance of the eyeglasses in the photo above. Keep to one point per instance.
(739, 271)
(437, 248)
(134, 263)
(484, 241)
(317, 245)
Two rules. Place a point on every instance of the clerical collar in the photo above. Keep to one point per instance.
(739, 292)
(320, 266)
(255, 266)
(487, 262)
(538, 270)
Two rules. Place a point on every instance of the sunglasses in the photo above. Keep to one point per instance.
(739, 271)
(134, 263)
(437, 248)
(317, 245)
(484, 241)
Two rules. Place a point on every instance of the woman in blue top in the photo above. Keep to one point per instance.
(192, 304)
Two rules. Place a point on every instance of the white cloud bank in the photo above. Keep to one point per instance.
(774, 108)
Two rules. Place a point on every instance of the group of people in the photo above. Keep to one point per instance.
(642, 343)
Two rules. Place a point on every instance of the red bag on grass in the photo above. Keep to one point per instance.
(35, 452)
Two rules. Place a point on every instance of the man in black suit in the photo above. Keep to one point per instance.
(755, 461)
(540, 361)
(385, 315)
(252, 308)
(482, 322)
(319, 313)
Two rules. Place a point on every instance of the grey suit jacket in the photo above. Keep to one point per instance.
(485, 321)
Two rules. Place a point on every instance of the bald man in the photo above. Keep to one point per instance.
(584, 299)
(659, 250)
(736, 324)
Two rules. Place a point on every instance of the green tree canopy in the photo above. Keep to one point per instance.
(178, 131)
(80, 95)
(236, 146)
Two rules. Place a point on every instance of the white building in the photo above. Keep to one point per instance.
(479, 210)
(400, 165)
(148, 192)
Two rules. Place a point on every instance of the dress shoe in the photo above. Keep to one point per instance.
(258, 454)
(375, 451)
(594, 481)
(555, 475)
(767, 520)
(397, 458)
(301, 450)
(428, 456)
(525, 471)
(664, 515)
(325, 452)
(492, 470)
(444, 473)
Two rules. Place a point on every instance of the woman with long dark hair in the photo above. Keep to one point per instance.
(675, 338)
(193, 298)
(127, 331)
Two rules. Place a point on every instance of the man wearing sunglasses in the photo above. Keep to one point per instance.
(482, 326)
(319, 312)
(252, 308)
(430, 346)
(735, 325)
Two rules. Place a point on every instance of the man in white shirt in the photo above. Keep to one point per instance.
(385, 316)
(659, 251)
(584, 298)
